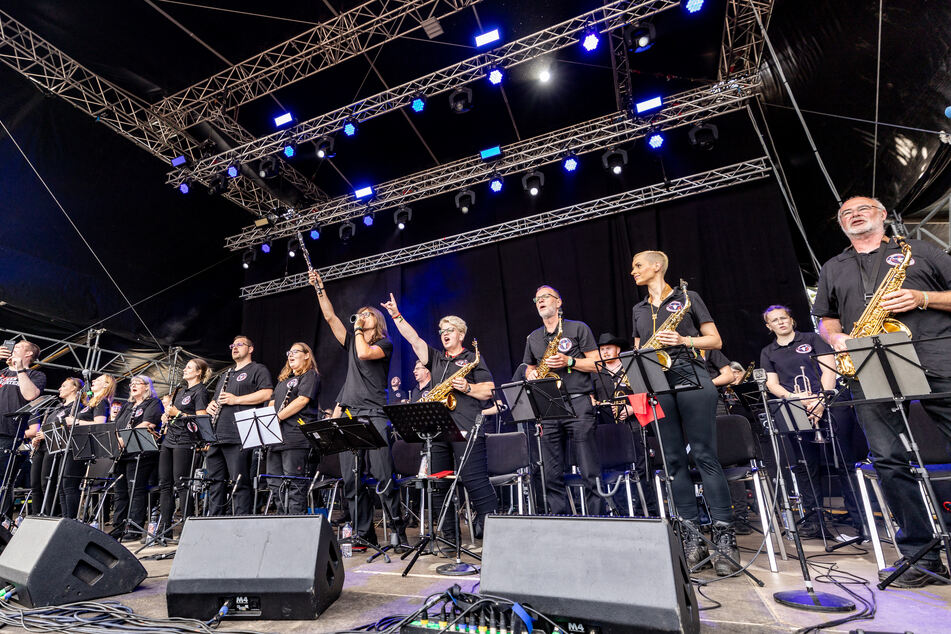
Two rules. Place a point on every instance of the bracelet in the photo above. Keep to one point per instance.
(356, 330)
(397, 317)
(571, 362)
(925, 305)
(468, 387)
(21, 371)
(691, 341)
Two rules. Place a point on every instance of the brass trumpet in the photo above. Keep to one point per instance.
(802, 387)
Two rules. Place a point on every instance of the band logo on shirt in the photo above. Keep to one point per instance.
(896, 258)
(241, 376)
(564, 345)
(804, 348)
(138, 413)
(424, 394)
(460, 362)
(8, 380)
(674, 306)
(292, 384)
(187, 400)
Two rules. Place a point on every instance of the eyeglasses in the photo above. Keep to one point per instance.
(845, 214)
(237, 345)
(446, 331)
(291, 353)
(136, 384)
(539, 298)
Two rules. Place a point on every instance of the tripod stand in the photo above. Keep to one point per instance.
(138, 441)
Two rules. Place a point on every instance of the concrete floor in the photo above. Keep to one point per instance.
(372, 591)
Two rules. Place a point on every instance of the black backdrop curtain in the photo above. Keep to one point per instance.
(732, 246)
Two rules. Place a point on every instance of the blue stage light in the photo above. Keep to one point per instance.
(655, 140)
(315, 234)
(590, 39)
(349, 128)
(570, 163)
(266, 247)
(492, 152)
(290, 149)
(233, 170)
(495, 76)
(487, 38)
(178, 161)
(363, 192)
(418, 104)
(692, 6)
(283, 119)
(496, 184)
(368, 219)
(649, 105)
(184, 187)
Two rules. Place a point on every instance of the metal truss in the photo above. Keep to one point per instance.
(746, 171)
(614, 14)
(742, 45)
(680, 109)
(344, 36)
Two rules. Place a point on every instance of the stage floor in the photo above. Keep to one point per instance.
(372, 591)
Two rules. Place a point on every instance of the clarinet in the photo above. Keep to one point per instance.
(306, 254)
(224, 388)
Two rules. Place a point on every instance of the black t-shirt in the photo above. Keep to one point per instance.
(418, 393)
(306, 384)
(795, 358)
(365, 385)
(576, 340)
(188, 401)
(714, 360)
(607, 383)
(646, 321)
(394, 397)
(89, 412)
(247, 380)
(132, 415)
(841, 294)
(11, 399)
(441, 367)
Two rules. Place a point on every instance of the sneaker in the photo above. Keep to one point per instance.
(809, 530)
(724, 540)
(913, 577)
(695, 549)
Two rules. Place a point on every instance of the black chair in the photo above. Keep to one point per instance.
(327, 478)
(407, 458)
(509, 465)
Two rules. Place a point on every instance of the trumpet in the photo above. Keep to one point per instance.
(802, 387)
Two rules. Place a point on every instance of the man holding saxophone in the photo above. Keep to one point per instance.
(567, 350)
(460, 378)
(850, 282)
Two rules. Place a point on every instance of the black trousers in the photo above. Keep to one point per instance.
(380, 464)
(132, 490)
(690, 417)
(882, 428)
(288, 462)
(8, 455)
(225, 463)
(579, 432)
(474, 477)
(174, 465)
(40, 466)
(73, 473)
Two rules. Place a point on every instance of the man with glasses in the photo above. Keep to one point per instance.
(574, 362)
(846, 283)
(242, 387)
(18, 386)
(423, 382)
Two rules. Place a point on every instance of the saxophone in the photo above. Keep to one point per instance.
(875, 321)
(620, 393)
(670, 323)
(544, 372)
(442, 393)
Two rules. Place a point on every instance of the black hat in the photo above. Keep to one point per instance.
(608, 339)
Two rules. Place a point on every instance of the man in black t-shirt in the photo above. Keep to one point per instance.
(395, 395)
(423, 382)
(471, 390)
(18, 386)
(922, 304)
(245, 386)
(573, 361)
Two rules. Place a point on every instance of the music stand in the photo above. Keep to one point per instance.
(258, 428)
(91, 442)
(336, 435)
(138, 441)
(538, 400)
(55, 436)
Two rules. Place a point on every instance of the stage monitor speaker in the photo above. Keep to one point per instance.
(52, 561)
(610, 575)
(267, 567)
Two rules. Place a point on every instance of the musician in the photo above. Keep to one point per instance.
(245, 386)
(41, 460)
(143, 410)
(18, 386)
(423, 380)
(178, 443)
(690, 415)
(396, 395)
(295, 402)
(364, 394)
(922, 303)
(574, 362)
(471, 391)
(96, 403)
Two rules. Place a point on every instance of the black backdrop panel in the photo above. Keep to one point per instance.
(732, 246)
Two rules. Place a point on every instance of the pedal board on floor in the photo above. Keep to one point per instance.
(563, 625)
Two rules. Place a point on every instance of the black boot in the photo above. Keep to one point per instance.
(724, 540)
(695, 549)
(399, 529)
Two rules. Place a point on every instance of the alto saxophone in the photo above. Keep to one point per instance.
(442, 393)
(542, 369)
(670, 323)
(875, 320)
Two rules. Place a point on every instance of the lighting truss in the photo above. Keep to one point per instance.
(742, 45)
(681, 109)
(338, 39)
(735, 174)
(613, 15)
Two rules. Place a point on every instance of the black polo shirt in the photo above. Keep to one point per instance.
(794, 358)
(188, 401)
(87, 413)
(418, 393)
(306, 384)
(647, 319)
(247, 380)
(715, 360)
(132, 415)
(365, 385)
(394, 397)
(11, 399)
(841, 294)
(576, 340)
(441, 366)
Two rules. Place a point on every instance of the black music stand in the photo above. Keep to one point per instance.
(424, 422)
(56, 436)
(138, 440)
(538, 400)
(92, 442)
(336, 435)
(258, 428)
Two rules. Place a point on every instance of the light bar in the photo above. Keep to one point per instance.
(492, 152)
(646, 106)
(487, 38)
(283, 119)
(178, 161)
(363, 192)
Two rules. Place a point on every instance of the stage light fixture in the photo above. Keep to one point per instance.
(418, 104)
(493, 152)
(178, 161)
(590, 39)
(639, 37)
(465, 200)
(495, 75)
(282, 120)
(363, 192)
(247, 258)
(185, 186)
(315, 233)
(401, 217)
(346, 231)
(460, 100)
(368, 219)
(218, 185)
(570, 163)
(487, 38)
(290, 148)
(655, 140)
(266, 247)
(544, 76)
(293, 245)
(495, 184)
(703, 136)
(233, 170)
(350, 127)
(614, 160)
(269, 167)
(692, 6)
(533, 182)
(325, 147)
(648, 105)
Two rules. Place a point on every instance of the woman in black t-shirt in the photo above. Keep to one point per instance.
(690, 415)
(42, 462)
(178, 441)
(295, 402)
(94, 409)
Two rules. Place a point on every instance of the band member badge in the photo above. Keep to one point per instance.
(292, 383)
(241, 376)
(897, 258)
(674, 306)
(187, 399)
(804, 348)
(138, 413)
(564, 345)
(460, 362)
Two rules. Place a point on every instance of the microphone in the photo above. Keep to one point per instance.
(354, 318)
(759, 375)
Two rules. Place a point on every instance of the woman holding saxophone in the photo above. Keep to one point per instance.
(41, 461)
(672, 317)
(462, 380)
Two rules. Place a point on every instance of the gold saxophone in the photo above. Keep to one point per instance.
(670, 323)
(544, 372)
(620, 393)
(442, 393)
(875, 321)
